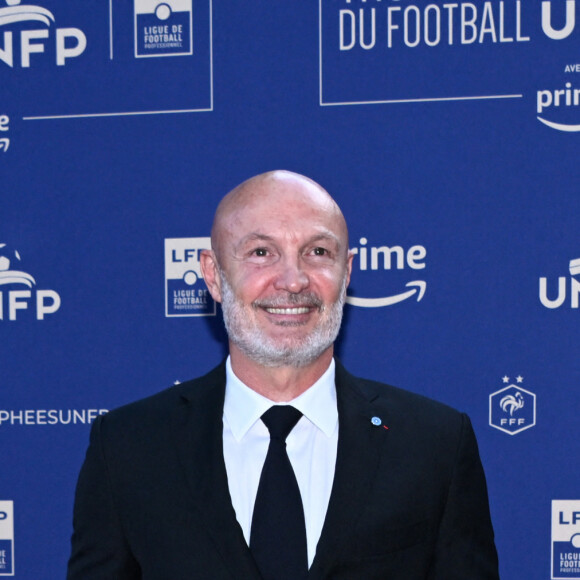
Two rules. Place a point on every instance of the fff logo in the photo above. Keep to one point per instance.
(512, 409)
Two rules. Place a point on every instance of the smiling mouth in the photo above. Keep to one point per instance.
(291, 304)
(293, 310)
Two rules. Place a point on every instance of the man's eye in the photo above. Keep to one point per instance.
(320, 251)
(260, 252)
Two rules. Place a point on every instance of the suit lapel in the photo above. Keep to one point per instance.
(199, 440)
(359, 449)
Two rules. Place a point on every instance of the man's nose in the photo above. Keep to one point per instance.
(292, 277)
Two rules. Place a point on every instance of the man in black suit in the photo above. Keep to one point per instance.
(389, 484)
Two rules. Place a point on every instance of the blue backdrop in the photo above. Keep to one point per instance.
(448, 133)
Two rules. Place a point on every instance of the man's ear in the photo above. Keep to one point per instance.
(209, 270)
(349, 259)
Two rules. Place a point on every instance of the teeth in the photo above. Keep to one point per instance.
(302, 310)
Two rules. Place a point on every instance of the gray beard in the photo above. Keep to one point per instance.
(265, 351)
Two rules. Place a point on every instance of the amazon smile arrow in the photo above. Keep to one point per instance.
(419, 289)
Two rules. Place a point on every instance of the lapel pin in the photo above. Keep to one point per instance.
(377, 422)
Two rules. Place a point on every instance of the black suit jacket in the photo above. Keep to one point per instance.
(409, 502)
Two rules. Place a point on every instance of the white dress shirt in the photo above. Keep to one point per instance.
(311, 447)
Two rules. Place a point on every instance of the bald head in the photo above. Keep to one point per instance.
(273, 192)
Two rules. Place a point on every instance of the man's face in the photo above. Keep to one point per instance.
(284, 268)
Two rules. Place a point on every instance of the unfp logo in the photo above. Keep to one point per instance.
(513, 408)
(6, 538)
(13, 299)
(19, 25)
(565, 539)
(185, 291)
(163, 28)
(551, 299)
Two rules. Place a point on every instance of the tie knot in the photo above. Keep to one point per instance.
(280, 420)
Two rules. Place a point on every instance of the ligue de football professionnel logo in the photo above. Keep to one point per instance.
(6, 538)
(512, 409)
(565, 539)
(185, 291)
(163, 28)
(18, 291)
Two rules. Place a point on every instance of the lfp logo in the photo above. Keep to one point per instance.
(185, 291)
(512, 409)
(20, 31)
(13, 298)
(6, 538)
(163, 28)
(565, 539)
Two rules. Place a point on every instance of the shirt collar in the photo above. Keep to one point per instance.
(243, 406)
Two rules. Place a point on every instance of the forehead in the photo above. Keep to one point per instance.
(282, 210)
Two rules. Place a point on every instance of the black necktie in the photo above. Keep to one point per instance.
(278, 535)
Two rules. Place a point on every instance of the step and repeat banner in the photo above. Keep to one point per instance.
(449, 133)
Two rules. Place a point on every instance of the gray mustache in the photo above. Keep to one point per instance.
(306, 299)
